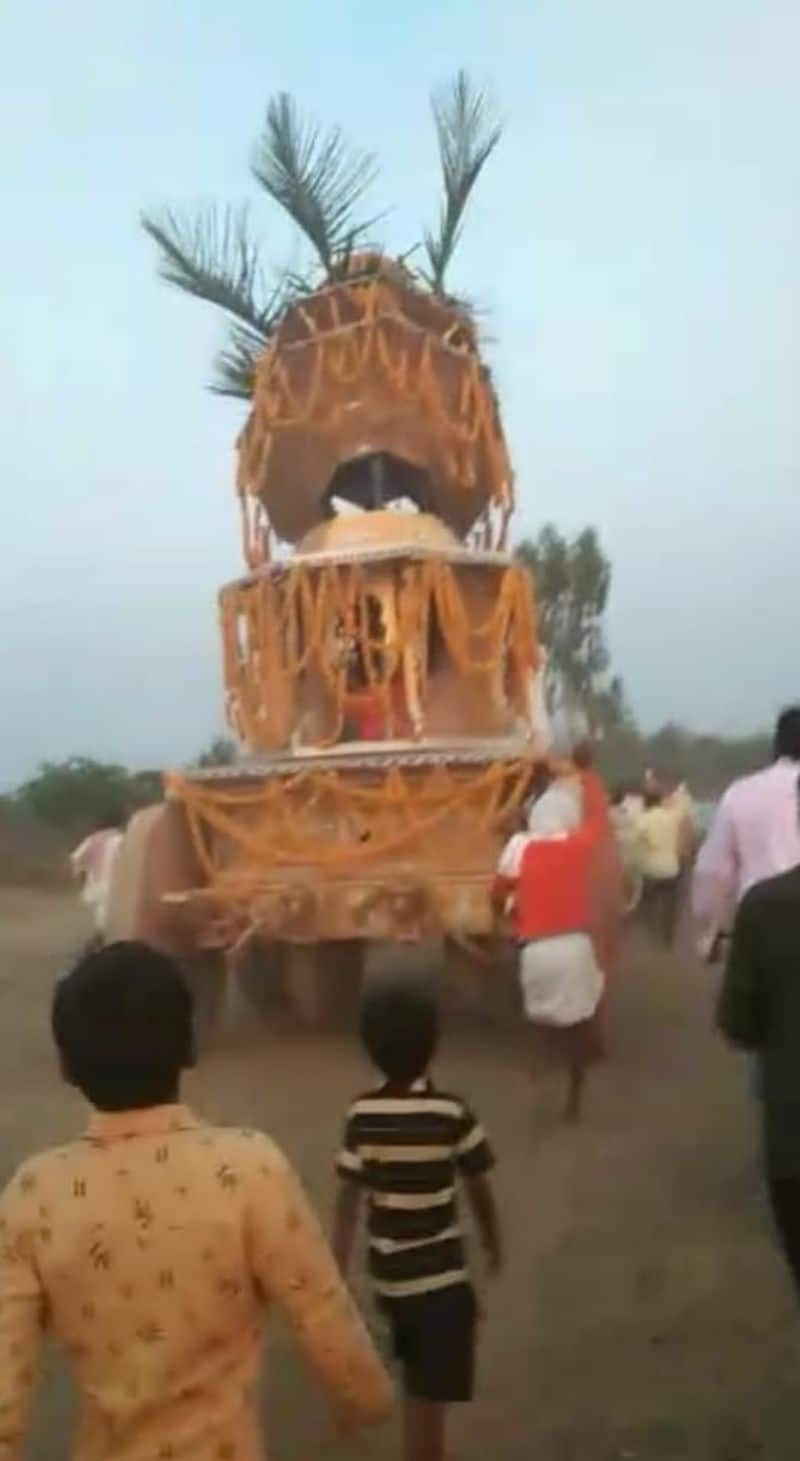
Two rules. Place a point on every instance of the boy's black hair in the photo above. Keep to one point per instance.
(122, 1022)
(787, 734)
(400, 1027)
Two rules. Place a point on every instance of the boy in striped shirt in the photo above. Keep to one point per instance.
(405, 1146)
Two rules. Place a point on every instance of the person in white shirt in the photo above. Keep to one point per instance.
(92, 864)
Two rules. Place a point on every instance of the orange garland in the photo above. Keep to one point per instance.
(279, 824)
(382, 345)
(273, 630)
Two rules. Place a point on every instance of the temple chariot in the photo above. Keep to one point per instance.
(380, 659)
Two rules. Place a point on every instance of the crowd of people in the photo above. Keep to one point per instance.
(153, 1245)
(656, 831)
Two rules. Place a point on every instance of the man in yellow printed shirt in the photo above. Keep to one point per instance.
(152, 1246)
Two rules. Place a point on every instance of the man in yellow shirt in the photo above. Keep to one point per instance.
(660, 840)
(152, 1246)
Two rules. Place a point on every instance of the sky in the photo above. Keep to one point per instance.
(633, 244)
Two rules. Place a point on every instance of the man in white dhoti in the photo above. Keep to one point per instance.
(92, 863)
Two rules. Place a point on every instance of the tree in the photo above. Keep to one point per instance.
(320, 181)
(76, 793)
(221, 752)
(572, 578)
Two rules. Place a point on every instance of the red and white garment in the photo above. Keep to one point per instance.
(547, 872)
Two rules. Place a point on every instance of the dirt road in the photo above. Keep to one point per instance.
(643, 1313)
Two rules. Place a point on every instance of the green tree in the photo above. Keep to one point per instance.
(74, 794)
(79, 793)
(221, 752)
(145, 787)
(572, 579)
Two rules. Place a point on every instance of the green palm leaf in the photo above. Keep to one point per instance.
(213, 257)
(315, 177)
(467, 135)
(235, 366)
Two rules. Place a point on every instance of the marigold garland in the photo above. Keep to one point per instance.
(380, 350)
(276, 628)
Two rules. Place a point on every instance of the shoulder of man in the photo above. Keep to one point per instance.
(38, 1174)
(459, 1106)
(745, 786)
(251, 1147)
(238, 1154)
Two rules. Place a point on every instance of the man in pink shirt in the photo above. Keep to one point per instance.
(755, 835)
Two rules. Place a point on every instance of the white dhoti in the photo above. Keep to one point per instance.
(94, 862)
(560, 978)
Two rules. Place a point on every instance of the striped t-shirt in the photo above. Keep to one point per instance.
(406, 1150)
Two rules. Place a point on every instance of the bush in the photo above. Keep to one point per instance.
(79, 793)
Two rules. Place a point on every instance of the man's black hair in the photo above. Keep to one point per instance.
(122, 1022)
(400, 1028)
(787, 734)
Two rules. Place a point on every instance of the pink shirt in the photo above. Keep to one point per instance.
(755, 835)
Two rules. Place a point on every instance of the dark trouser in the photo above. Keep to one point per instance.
(660, 899)
(784, 1195)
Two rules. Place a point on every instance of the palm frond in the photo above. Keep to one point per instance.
(468, 135)
(235, 366)
(213, 257)
(315, 177)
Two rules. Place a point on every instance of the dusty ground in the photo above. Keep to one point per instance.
(643, 1312)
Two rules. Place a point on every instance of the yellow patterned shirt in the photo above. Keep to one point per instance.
(150, 1249)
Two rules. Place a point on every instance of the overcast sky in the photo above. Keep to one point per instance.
(634, 243)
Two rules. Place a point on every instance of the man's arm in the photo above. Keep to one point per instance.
(501, 890)
(740, 1008)
(484, 1210)
(350, 1167)
(475, 1160)
(345, 1222)
(506, 876)
(21, 1320)
(296, 1269)
(716, 873)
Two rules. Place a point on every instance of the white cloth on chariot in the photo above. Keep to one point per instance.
(561, 981)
